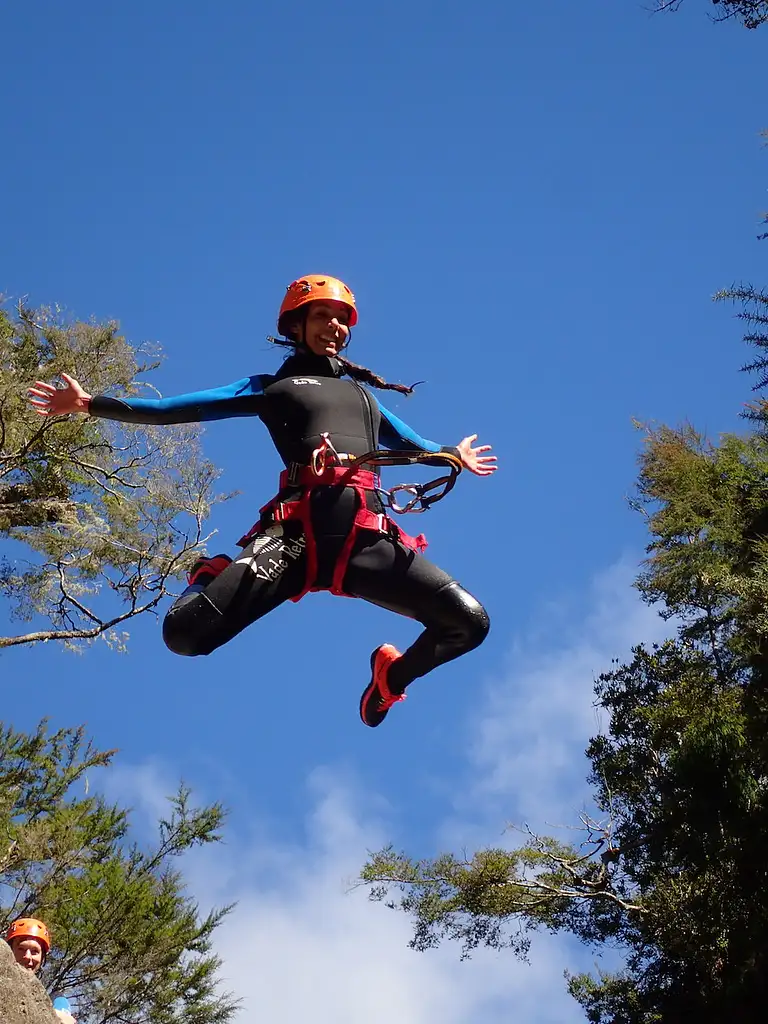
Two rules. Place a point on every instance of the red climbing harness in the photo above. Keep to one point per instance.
(320, 474)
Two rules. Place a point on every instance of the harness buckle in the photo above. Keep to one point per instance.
(279, 512)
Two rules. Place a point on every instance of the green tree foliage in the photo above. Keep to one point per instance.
(106, 515)
(672, 868)
(129, 944)
(751, 13)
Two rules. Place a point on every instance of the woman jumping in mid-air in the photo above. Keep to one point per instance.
(327, 528)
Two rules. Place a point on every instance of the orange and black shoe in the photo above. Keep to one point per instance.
(377, 698)
(207, 569)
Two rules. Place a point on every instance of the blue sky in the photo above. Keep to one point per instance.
(534, 206)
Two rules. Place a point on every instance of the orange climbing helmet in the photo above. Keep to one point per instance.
(312, 288)
(30, 928)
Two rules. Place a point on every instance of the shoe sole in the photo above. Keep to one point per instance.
(369, 688)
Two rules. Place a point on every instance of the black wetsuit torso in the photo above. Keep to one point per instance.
(296, 411)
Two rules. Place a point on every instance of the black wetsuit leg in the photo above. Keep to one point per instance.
(385, 573)
(268, 572)
(272, 569)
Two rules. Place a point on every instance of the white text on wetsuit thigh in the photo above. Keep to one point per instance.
(280, 553)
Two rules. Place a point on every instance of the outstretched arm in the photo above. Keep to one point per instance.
(394, 434)
(242, 398)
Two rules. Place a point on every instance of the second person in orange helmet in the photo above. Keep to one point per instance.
(30, 943)
(327, 528)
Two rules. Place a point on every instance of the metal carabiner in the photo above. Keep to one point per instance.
(423, 495)
(410, 506)
(319, 459)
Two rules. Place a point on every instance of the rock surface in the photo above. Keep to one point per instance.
(23, 1000)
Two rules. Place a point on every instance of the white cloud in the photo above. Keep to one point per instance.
(527, 744)
(144, 787)
(302, 947)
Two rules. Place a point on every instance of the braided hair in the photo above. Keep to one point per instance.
(361, 374)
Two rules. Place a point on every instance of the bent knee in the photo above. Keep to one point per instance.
(187, 627)
(469, 619)
(477, 623)
(179, 638)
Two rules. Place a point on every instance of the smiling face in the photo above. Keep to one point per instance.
(28, 953)
(325, 330)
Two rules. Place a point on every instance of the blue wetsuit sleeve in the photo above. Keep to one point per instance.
(242, 398)
(396, 435)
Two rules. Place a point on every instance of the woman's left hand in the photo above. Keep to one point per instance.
(480, 465)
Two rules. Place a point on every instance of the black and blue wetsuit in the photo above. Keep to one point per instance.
(304, 400)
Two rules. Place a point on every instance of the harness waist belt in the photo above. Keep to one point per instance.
(278, 510)
(305, 476)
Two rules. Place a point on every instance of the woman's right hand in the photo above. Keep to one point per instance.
(47, 400)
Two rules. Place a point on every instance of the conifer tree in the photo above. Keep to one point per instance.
(129, 944)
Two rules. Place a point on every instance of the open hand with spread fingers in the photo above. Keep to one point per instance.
(48, 400)
(474, 461)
